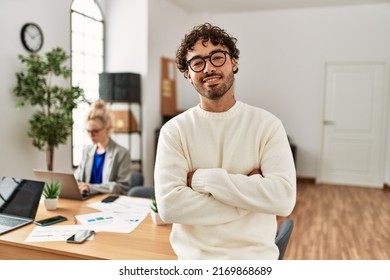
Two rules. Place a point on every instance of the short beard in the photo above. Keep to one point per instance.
(217, 92)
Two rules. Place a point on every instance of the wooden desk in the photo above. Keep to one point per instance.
(147, 242)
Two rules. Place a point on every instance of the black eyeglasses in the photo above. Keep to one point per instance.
(217, 59)
(94, 131)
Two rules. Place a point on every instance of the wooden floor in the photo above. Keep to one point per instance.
(340, 223)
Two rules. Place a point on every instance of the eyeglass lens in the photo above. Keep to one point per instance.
(94, 131)
(217, 59)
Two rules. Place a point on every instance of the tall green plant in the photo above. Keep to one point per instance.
(52, 123)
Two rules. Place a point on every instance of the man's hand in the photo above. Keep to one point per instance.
(255, 172)
(189, 178)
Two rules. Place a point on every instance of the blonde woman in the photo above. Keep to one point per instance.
(105, 165)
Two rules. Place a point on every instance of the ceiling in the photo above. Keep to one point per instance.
(226, 6)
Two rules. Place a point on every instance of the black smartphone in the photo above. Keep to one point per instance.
(110, 198)
(50, 221)
(80, 236)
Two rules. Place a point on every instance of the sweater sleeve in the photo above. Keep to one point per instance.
(178, 203)
(273, 192)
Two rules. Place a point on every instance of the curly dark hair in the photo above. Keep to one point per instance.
(207, 32)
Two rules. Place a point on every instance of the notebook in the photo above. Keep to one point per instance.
(69, 185)
(19, 201)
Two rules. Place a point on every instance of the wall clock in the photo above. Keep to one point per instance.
(32, 37)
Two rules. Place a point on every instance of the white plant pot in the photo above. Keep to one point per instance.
(156, 218)
(51, 203)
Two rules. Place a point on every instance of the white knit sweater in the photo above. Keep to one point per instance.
(226, 214)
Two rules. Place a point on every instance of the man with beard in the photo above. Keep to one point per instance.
(224, 169)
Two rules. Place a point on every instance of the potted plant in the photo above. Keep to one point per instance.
(51, 124)
(51, 192)
(154, 213)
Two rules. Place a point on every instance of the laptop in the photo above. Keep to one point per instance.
(69, 185)
(19, 201)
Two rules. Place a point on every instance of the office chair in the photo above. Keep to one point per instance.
(283, 236)
(136, 179)
(137, 188)
(141, 191)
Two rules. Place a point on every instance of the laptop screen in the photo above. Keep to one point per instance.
(20, 197)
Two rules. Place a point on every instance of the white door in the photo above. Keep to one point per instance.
(354, 125)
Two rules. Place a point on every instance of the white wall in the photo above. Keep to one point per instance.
(17, 155)
(126, 36)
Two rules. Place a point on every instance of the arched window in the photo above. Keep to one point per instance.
(87, 58)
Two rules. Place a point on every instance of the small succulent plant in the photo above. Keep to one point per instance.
(52, 190)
